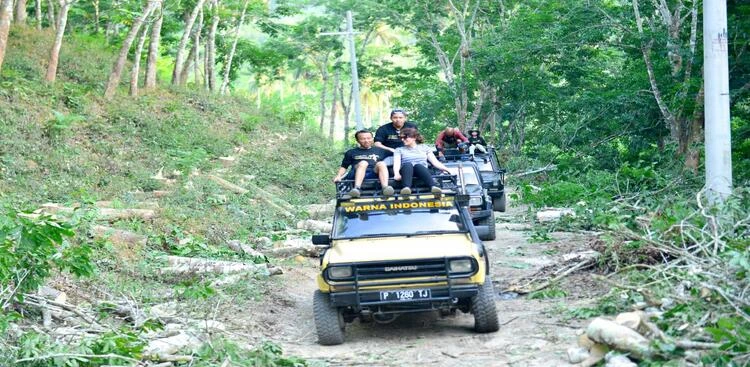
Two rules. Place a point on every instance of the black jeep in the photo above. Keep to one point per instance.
(480, 203)
(493, 176)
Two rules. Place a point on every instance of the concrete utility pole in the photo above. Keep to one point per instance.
(716, 99)
(353, 60)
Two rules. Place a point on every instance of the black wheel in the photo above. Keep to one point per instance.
(483, 308)
(498, 204)
(490, 223)
(328, 320)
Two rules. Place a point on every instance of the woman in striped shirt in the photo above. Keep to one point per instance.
(411, 159)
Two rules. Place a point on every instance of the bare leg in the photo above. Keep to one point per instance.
(382, 170)
(359, 174)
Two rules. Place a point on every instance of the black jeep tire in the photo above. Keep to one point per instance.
(483, 308)
(498, 203)
(490, 223)
(328, 321)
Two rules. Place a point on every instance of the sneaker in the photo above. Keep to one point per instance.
(355, 193)
(406, 191)
(436, 190)
(388, 191)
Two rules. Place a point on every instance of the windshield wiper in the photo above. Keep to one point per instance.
(419, 233)
(372, 235)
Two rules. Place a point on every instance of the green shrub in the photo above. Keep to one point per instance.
(31, 247)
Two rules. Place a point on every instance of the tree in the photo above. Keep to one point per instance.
(683, 116)
(180, 58)
(153, 49)
(6, 12)
(20, 13)
(114, 76)
(54, 55)
(135, 72)
(230, 57)
(211, 46)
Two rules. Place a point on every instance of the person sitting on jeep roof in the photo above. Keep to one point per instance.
(367, 162)
(476, 142)
(412, 159)
(449, 138)
(388, 135)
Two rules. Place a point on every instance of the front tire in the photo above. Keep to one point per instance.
(490, 223)
(498, 203)
(483, 308)
(328, 321)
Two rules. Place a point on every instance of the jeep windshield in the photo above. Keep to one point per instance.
(470, 174)
(396, 218)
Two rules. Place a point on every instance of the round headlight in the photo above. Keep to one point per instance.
(460, 266)
(339, 272)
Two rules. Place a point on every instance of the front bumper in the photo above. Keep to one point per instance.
(371, 299)
(480, 214)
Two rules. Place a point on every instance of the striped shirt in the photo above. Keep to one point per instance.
(415, 156)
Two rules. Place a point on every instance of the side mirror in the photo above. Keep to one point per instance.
(454, 218)
(321, 240)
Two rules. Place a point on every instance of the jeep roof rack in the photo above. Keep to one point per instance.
(371, 187)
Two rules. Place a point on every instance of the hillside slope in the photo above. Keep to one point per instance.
(65, 143)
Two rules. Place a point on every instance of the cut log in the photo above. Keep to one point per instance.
(227, 161)
(160, 348)
(192, 265)
(107, 214)
(320, 211)
(315, 226)
(270, 196)
(120, 237)
(631, 320)
(262, 194)
(138, 205)
(619, 337)
(242, 248)
(551, 215)
(228, 185)
(294, 247)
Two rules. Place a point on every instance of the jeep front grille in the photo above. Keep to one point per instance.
(405, 269)
(401, 272)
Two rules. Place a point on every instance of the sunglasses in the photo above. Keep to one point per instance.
(405, 137)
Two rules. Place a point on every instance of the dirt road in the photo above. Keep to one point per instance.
(531, 333)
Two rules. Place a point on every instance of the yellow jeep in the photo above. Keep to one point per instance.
(387, 256)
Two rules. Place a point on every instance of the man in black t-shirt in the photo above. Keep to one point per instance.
(367, 162)
(388, 136)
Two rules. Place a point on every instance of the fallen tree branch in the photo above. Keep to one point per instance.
(168, 358)
(689, 344)
(549, 167)
(572, 269)
(268, 195)
(64, 306)
(241, 190)
(183, 265)
(228, 185)
(75, 355)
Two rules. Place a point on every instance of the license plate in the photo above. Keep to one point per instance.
(405, 295)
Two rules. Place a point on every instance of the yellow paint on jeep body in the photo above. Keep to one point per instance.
(402, 248)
